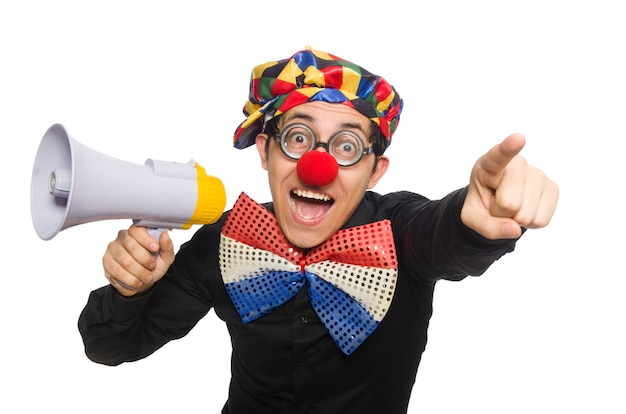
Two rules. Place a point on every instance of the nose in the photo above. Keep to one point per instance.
(317, 168)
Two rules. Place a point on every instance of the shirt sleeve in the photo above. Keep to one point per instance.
(117, 329)
(433, 243)
(106, 322)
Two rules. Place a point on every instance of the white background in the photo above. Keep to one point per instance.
(541, 332)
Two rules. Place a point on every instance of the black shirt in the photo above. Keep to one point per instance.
(285, 362)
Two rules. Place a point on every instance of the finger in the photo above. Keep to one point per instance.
(122, 270)
(547, 207)
(166, 249)
(495, 228)
(513, 190)
(498, 157)
(539, 204)
(120, 285)
(142, 246)
(155, 251)
(526, 195)
(144, 238)
(127, 262)
(478, 218)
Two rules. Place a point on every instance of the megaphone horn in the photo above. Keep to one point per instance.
(72, 184)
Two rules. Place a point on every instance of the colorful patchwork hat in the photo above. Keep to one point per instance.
(311, 75)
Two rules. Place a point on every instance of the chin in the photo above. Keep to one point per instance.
(308, 239)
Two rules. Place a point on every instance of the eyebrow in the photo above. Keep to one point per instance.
(309, 118)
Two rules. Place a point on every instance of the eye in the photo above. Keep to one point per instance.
(346, 147)
(297, 139)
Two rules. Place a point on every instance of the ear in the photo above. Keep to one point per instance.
(261, 146)
(379, 171)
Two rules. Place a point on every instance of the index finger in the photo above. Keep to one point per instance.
(145, 238)
(498, 157)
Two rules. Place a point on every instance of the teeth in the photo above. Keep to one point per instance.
(311, 194)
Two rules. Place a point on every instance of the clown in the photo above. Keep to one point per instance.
(326, 290)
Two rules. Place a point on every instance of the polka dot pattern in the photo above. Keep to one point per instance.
(350, 278)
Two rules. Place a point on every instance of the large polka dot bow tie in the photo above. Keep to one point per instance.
(350, 278)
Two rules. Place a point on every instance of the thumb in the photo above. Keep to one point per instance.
(166, 254)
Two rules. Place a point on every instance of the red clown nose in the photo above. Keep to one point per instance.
(317, 169)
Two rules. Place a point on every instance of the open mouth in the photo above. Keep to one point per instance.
(309, 205)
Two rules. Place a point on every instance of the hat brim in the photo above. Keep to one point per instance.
(246, 133)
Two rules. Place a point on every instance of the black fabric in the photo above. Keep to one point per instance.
(285, 362)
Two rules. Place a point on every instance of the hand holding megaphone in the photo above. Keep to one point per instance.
(72, 184)
(130, 262)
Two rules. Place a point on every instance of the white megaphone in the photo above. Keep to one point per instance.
(73, 184)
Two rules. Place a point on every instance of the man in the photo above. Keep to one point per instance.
(327, 290)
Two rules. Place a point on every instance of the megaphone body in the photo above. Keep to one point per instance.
(72, 184)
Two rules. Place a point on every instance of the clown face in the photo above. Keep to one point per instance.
(309, 214)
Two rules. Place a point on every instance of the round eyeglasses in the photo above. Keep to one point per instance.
(345, 146)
